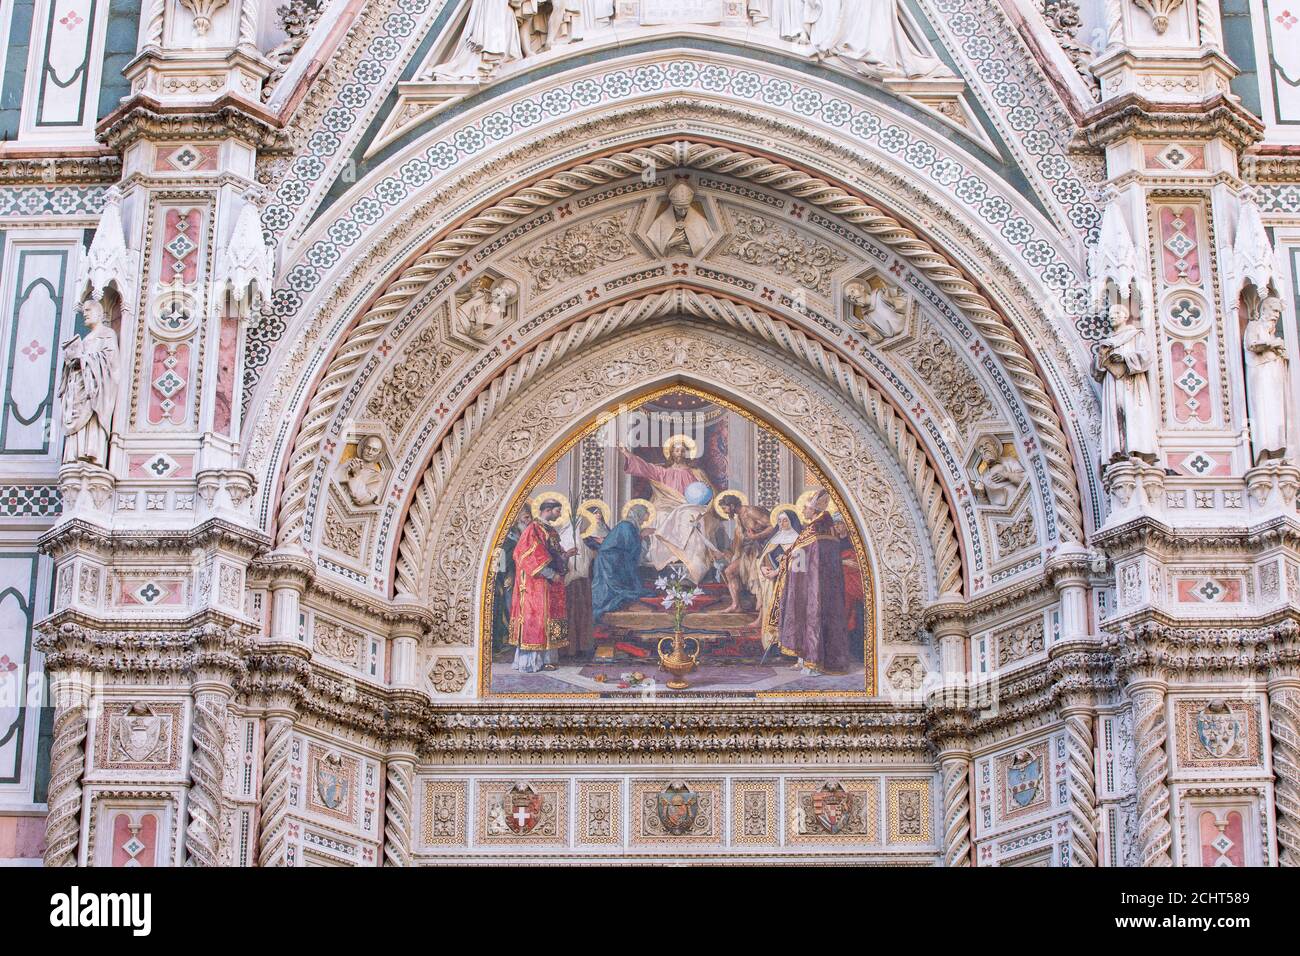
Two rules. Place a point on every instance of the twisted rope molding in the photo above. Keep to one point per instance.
(413, 554)
(397, 813)
(1155, 835)
(203, 833)
(956, 811)
(67, 763)
(1082, 782)
(306, 466)
(1284, 723)
(272, 831)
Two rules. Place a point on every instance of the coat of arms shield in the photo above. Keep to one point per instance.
(1218, 728)
(331, 784)
(523, 809)
(138, 732)
(832, 806)
(1024, 777)
(677, 807)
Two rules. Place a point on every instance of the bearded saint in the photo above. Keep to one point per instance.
(538, 628)
(682, 531)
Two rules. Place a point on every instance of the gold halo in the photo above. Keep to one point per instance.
(686, 440)
(649, 507)
(592, 506)
(808, 494)
(783, 506)
(565, 508)
(732, 493)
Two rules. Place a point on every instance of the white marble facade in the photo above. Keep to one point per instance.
(283, 358)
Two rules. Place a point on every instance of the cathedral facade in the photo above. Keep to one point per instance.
(527, 431)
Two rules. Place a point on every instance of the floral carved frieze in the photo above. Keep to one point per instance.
(578, 250)
(768, 247)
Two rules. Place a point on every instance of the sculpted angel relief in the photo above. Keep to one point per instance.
(679, 546)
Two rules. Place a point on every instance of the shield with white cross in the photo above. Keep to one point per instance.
(523, 809)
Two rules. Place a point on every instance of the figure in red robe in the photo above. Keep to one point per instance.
(538, 628)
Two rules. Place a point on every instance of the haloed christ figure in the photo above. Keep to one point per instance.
(807, 612)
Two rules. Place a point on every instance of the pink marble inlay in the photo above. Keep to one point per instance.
(1178, 244)
(134, 844)
(1191, 375)
(226, 362)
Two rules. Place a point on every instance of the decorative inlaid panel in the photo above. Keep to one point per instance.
(907, 803)
(1217, 733)
(754, 819)
(524, 812)
(36, 322)
(600, 813)
(832, 810)
(673, 811)
(443, 814)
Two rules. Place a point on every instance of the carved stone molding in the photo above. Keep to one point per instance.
(858, 212)
(1133, 115)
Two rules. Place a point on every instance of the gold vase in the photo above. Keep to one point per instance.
(678, 663)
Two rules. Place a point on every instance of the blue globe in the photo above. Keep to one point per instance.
(698, 493)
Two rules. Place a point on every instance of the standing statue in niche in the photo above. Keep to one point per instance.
(1129, 413)
(1267, 376)
(88, 388)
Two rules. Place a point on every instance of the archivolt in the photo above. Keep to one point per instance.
(568, 346)
(306, 466)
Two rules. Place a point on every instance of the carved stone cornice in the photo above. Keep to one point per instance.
(79, 534)
(282, 566)
(802, 733)
(1147, 533)
(227, 117)
(1272, 163)
(1037, 693)
(48, 168)
(1133, 115)
(209, 641)
(1153, 646)
(276, 675)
